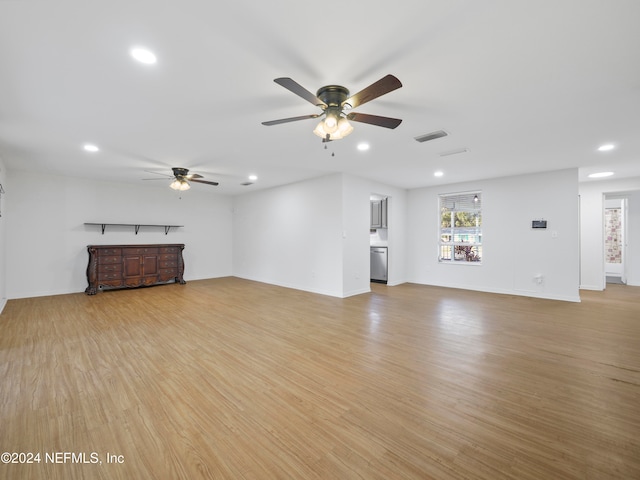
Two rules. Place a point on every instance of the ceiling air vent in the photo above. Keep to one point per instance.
(454, 152)
(431, 136)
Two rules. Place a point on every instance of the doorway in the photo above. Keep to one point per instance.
(378, 238)
(615, 240)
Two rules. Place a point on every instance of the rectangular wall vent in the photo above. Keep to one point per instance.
(431, 136)
(454, 152)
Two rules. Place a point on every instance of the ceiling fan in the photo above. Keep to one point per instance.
(335, 102)
(182, 177)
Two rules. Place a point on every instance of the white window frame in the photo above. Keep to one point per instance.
(460, 238)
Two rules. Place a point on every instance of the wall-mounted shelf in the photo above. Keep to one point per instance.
(136, 226)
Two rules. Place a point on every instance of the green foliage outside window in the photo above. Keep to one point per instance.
(462, 241)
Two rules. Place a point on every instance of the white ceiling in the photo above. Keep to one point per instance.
(525, 86)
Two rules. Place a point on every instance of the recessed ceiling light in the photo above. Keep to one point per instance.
(90, 147)
(600, 174)
(143, 55)
(606, 147)
(439, 173)
(253, 177)
(363, 146)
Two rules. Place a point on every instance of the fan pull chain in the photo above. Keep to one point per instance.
(333, 154)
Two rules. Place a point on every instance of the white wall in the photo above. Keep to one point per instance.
(314, 235)
(592, 275)
(633, 239)
(291, 235)
(513, 253)
(3, 211)
(356, 222)
(46, 238)
(311, 235)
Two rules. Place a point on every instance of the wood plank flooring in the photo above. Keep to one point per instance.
(233, 379)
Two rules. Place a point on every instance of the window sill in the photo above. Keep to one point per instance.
(459, 262)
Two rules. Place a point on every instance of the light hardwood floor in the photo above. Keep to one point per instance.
(233, 379)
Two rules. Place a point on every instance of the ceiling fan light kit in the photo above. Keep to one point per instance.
(182, 177)
(333, 127)
(334, 100)
(180, 185)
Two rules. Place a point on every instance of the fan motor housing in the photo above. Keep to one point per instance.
(333, 95)
(180, 172)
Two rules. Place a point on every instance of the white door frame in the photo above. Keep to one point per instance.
(610, 269)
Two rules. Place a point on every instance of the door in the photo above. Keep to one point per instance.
(132, 266)
(140, 269)
(150, 269)
(376, 214)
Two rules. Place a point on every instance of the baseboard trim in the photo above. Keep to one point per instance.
(356, 292)
(519, 293)
(302, 288)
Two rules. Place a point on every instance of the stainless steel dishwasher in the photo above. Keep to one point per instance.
(379, 264)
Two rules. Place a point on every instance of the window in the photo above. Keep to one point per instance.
(461, 228)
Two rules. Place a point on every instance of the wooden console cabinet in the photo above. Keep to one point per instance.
(130, 266)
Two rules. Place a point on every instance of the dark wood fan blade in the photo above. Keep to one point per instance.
(290, 119)
(204, 181)
(299, 90)
(386, 122)
(384, 85)
(191, 176)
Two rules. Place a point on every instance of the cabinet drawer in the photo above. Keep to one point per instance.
(117, 282)
(139, 250)
(110, 267)
(168, 249)
(102, 260)
(107, 277)
(167, 274)
(168, 256)
(109, 251)
(168, 263)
